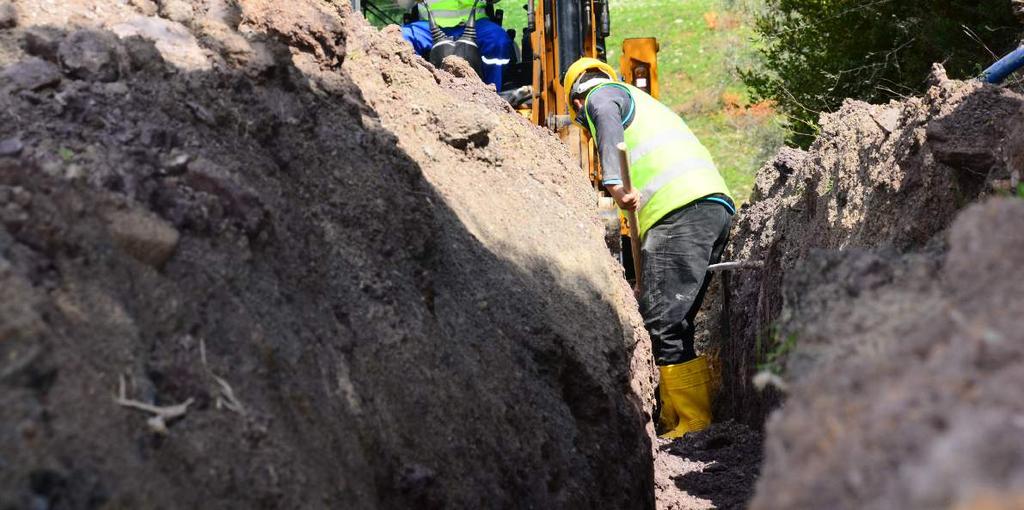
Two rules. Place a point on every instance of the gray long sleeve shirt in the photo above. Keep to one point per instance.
(611, 110)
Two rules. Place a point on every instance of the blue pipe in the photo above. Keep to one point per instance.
(1005, 67)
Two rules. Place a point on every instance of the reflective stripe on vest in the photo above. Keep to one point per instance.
(666, 138)
(450, 13)
(678, 169)
(668, 165)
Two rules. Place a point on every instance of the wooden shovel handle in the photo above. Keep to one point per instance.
(634, 226)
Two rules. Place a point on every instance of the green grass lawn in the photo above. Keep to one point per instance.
(703, 44)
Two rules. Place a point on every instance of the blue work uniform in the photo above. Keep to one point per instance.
(495, 45)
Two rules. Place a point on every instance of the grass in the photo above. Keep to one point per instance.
(773, 361)
(703, 45)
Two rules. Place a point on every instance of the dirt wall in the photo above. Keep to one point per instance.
(889, 306)
(371, 283)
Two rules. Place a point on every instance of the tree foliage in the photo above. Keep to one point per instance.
(819, 52)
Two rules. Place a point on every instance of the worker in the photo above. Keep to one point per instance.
(496, 46)
(684, 212)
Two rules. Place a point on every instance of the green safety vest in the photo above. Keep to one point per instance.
(450, 13)
(667, 163)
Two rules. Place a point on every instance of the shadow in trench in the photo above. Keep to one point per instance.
(320, 276)
(733, 452)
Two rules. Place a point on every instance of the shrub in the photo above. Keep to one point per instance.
(819, 52)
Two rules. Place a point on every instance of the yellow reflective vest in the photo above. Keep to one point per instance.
(450, 13)
(668, 165)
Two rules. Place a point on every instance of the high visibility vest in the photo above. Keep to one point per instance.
(667, 163)
(450, 13)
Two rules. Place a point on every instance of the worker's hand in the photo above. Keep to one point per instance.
(626, 201)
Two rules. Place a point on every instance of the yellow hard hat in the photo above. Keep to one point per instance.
(579, 68)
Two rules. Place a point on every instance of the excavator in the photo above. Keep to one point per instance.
(557, 33)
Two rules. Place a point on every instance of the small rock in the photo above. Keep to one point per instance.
(74, 172)
(175, 163)
(177, 10)
(42, 42)
(146, 237)
(460, 128)
(173, 42)
(888, 119)
(937, 76)
(146, 7)
(90, 55)
(32, 74)
(8, 15)
(117, 88)
(142, 54)
(11, 147)
(458, 66)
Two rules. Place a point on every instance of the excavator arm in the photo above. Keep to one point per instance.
(558, 33)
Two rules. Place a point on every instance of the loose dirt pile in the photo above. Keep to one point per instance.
(891, 306)
(362, 281)
(714, 468)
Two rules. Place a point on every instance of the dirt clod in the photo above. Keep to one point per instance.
(177, 10)
(144, 236)
(43, 42)
(31, 74)
(90, 55)
(8, 15)
(11, 147)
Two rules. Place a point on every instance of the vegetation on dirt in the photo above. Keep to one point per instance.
(818, 53)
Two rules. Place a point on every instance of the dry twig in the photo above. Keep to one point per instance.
(227, 397)
(162, 414)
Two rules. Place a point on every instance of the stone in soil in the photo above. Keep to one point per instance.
(11, 147)
(177, 10)
(142, 235)
(90, 55)
(43, 42)
(31, 74)
(8, 15)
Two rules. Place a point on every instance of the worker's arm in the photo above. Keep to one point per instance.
(608, 108)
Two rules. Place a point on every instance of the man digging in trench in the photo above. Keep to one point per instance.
(684, 212)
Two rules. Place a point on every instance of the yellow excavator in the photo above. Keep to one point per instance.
(557, 33)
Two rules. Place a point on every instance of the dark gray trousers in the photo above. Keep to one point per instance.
(676, 254)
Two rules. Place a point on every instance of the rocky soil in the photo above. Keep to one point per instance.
(890, 304)
(258, 255)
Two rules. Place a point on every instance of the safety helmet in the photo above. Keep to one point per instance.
(579, 68)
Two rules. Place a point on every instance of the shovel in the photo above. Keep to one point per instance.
(634, 226)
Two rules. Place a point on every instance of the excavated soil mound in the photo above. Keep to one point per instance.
(890, 302)
(259, 255)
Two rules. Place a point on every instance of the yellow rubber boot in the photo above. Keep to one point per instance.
(685, 392)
